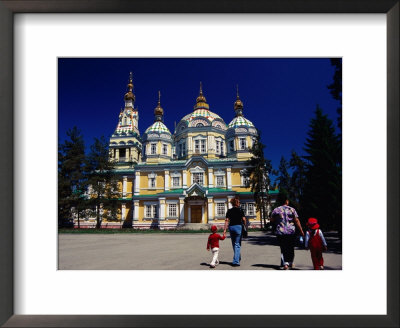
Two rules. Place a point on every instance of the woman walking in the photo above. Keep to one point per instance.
(234, 219)
(285, 220)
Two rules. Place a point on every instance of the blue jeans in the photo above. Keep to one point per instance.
(236, 234)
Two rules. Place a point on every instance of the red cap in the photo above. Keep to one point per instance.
(312, 223)
(214, 228)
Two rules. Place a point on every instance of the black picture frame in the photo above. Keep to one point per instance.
(10, 7)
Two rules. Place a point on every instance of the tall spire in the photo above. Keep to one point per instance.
(159, 111)
(238, 106)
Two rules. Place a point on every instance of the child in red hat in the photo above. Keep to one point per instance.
(316, 242)
(213, 244)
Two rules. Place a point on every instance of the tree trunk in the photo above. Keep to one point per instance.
(79, 226)
(97, 216)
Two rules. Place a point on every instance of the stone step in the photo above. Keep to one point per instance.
(194, 226)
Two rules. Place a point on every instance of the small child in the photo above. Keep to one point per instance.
(316, 242)
(213, 244)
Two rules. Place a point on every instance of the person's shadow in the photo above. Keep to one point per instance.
(268, 266)
(220, 263)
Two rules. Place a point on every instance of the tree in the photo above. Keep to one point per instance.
(283, 180)
(258, 172)
(102, 182)
(322, 191)
(297, 180)
(71, 178)
(336, 87)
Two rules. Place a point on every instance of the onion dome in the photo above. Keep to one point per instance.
(129, 95)
(201, 102)
(240, 121)
(159, 127)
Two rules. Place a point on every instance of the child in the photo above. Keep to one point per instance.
(213, 244)
(316, 242)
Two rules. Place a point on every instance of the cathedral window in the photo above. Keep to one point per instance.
(250, 209)
(165, 149)
(242, 143)
(231, 145)
(122, 153)
(245, 180)
(152, 180)
(150, 211)
(197, 146)
(203, 146)
(172, 211)
(175, 182)
(153, 149)
(220, 209)
(198, 178)
(184, 149)
(218, 149)
(220, 181)
(199, 125)
(243, 207)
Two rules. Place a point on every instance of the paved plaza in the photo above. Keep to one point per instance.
(178, 251)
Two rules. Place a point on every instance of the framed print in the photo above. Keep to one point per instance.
(33, 293)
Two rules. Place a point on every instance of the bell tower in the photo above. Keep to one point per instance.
(125, 143)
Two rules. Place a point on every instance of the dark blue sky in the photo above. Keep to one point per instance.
(279, 95)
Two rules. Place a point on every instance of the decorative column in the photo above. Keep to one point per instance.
(202, 214)
(166, 180)
(211, 144)
(184, 179)
(161, 201)
(117, 154)
(181, 210)
(137, 183)
(136, 210)
(124, 185)
(210, 209)
(123, 212)
(190, 147)
(210, 177)
(229, 178)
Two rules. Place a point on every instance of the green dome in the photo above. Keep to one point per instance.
(158, 127)
(240, 121)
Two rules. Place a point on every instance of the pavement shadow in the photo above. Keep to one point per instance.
(267, 238)
(220, 263)
(268, 266)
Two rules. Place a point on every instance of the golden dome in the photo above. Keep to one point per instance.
(129, 95)
(201, 101)
(159, 111)
(238, 106)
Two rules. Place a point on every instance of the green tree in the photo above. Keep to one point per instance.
(102, 182)
(71, 177)
(336, 87)
(322, 192)
(283, 180)
(258, 171)
(297, 180)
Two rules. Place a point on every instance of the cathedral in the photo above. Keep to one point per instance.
(185, 178)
